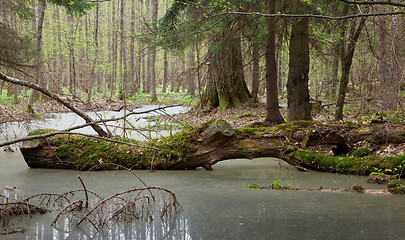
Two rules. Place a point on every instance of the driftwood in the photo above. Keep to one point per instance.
(217, 141)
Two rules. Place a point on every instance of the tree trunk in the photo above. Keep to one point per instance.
(132, 71)
(191, 72)
(255, 71)
(38, 47)
(114, 49)
(153, 84)
(299, 107)
(165, 71)
(93, 75)
(273, 114)
(226, 86)
(72, 62)
(348, 46)
(123, 56)
(61, 67)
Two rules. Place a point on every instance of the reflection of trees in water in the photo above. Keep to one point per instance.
(176, 227)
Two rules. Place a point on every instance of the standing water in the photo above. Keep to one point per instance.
(218, 205)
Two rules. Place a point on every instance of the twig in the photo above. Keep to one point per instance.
(120, 166)
(80, 202)
(85, 191)
(47, 195)
(86, 217)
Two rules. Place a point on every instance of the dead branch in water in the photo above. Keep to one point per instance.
(138, 203)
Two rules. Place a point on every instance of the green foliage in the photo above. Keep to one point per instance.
(74, 7)
(19, 7)
(357, 188)
(254, 186)
(395, 187)
(381, 177)
(172, 16)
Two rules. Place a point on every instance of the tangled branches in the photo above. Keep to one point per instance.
(79, 207)
(123, 207)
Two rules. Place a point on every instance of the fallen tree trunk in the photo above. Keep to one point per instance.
(302, 144)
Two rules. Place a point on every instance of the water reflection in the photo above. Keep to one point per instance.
(176, 227)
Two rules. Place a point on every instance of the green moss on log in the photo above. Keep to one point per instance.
(85, 152)
(362, 165)
(40, 132)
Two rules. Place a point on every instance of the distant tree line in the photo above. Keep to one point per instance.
(225, 52)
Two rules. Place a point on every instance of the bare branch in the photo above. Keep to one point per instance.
(390, 3)
(48, 93)
(85, 191)
(287, 15)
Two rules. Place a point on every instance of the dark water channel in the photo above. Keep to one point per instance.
(218, 205)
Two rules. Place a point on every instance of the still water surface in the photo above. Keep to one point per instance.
(218, 205)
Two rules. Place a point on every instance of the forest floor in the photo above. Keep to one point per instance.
(246, 114)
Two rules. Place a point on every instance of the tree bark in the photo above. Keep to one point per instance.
(226, 86)
(273, 114)
(38, 47)
(346, 57)
(123, 91)
(299, 107)
(191, 72)
(153, 56)
(255, 70)
(132, 70)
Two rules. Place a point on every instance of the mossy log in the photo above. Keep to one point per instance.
(326, 147)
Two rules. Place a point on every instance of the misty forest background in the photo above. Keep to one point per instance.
(126, 48)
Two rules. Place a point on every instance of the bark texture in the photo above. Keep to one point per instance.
(347, 47)
(273, 112)
(299, 107)
(226, 86)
